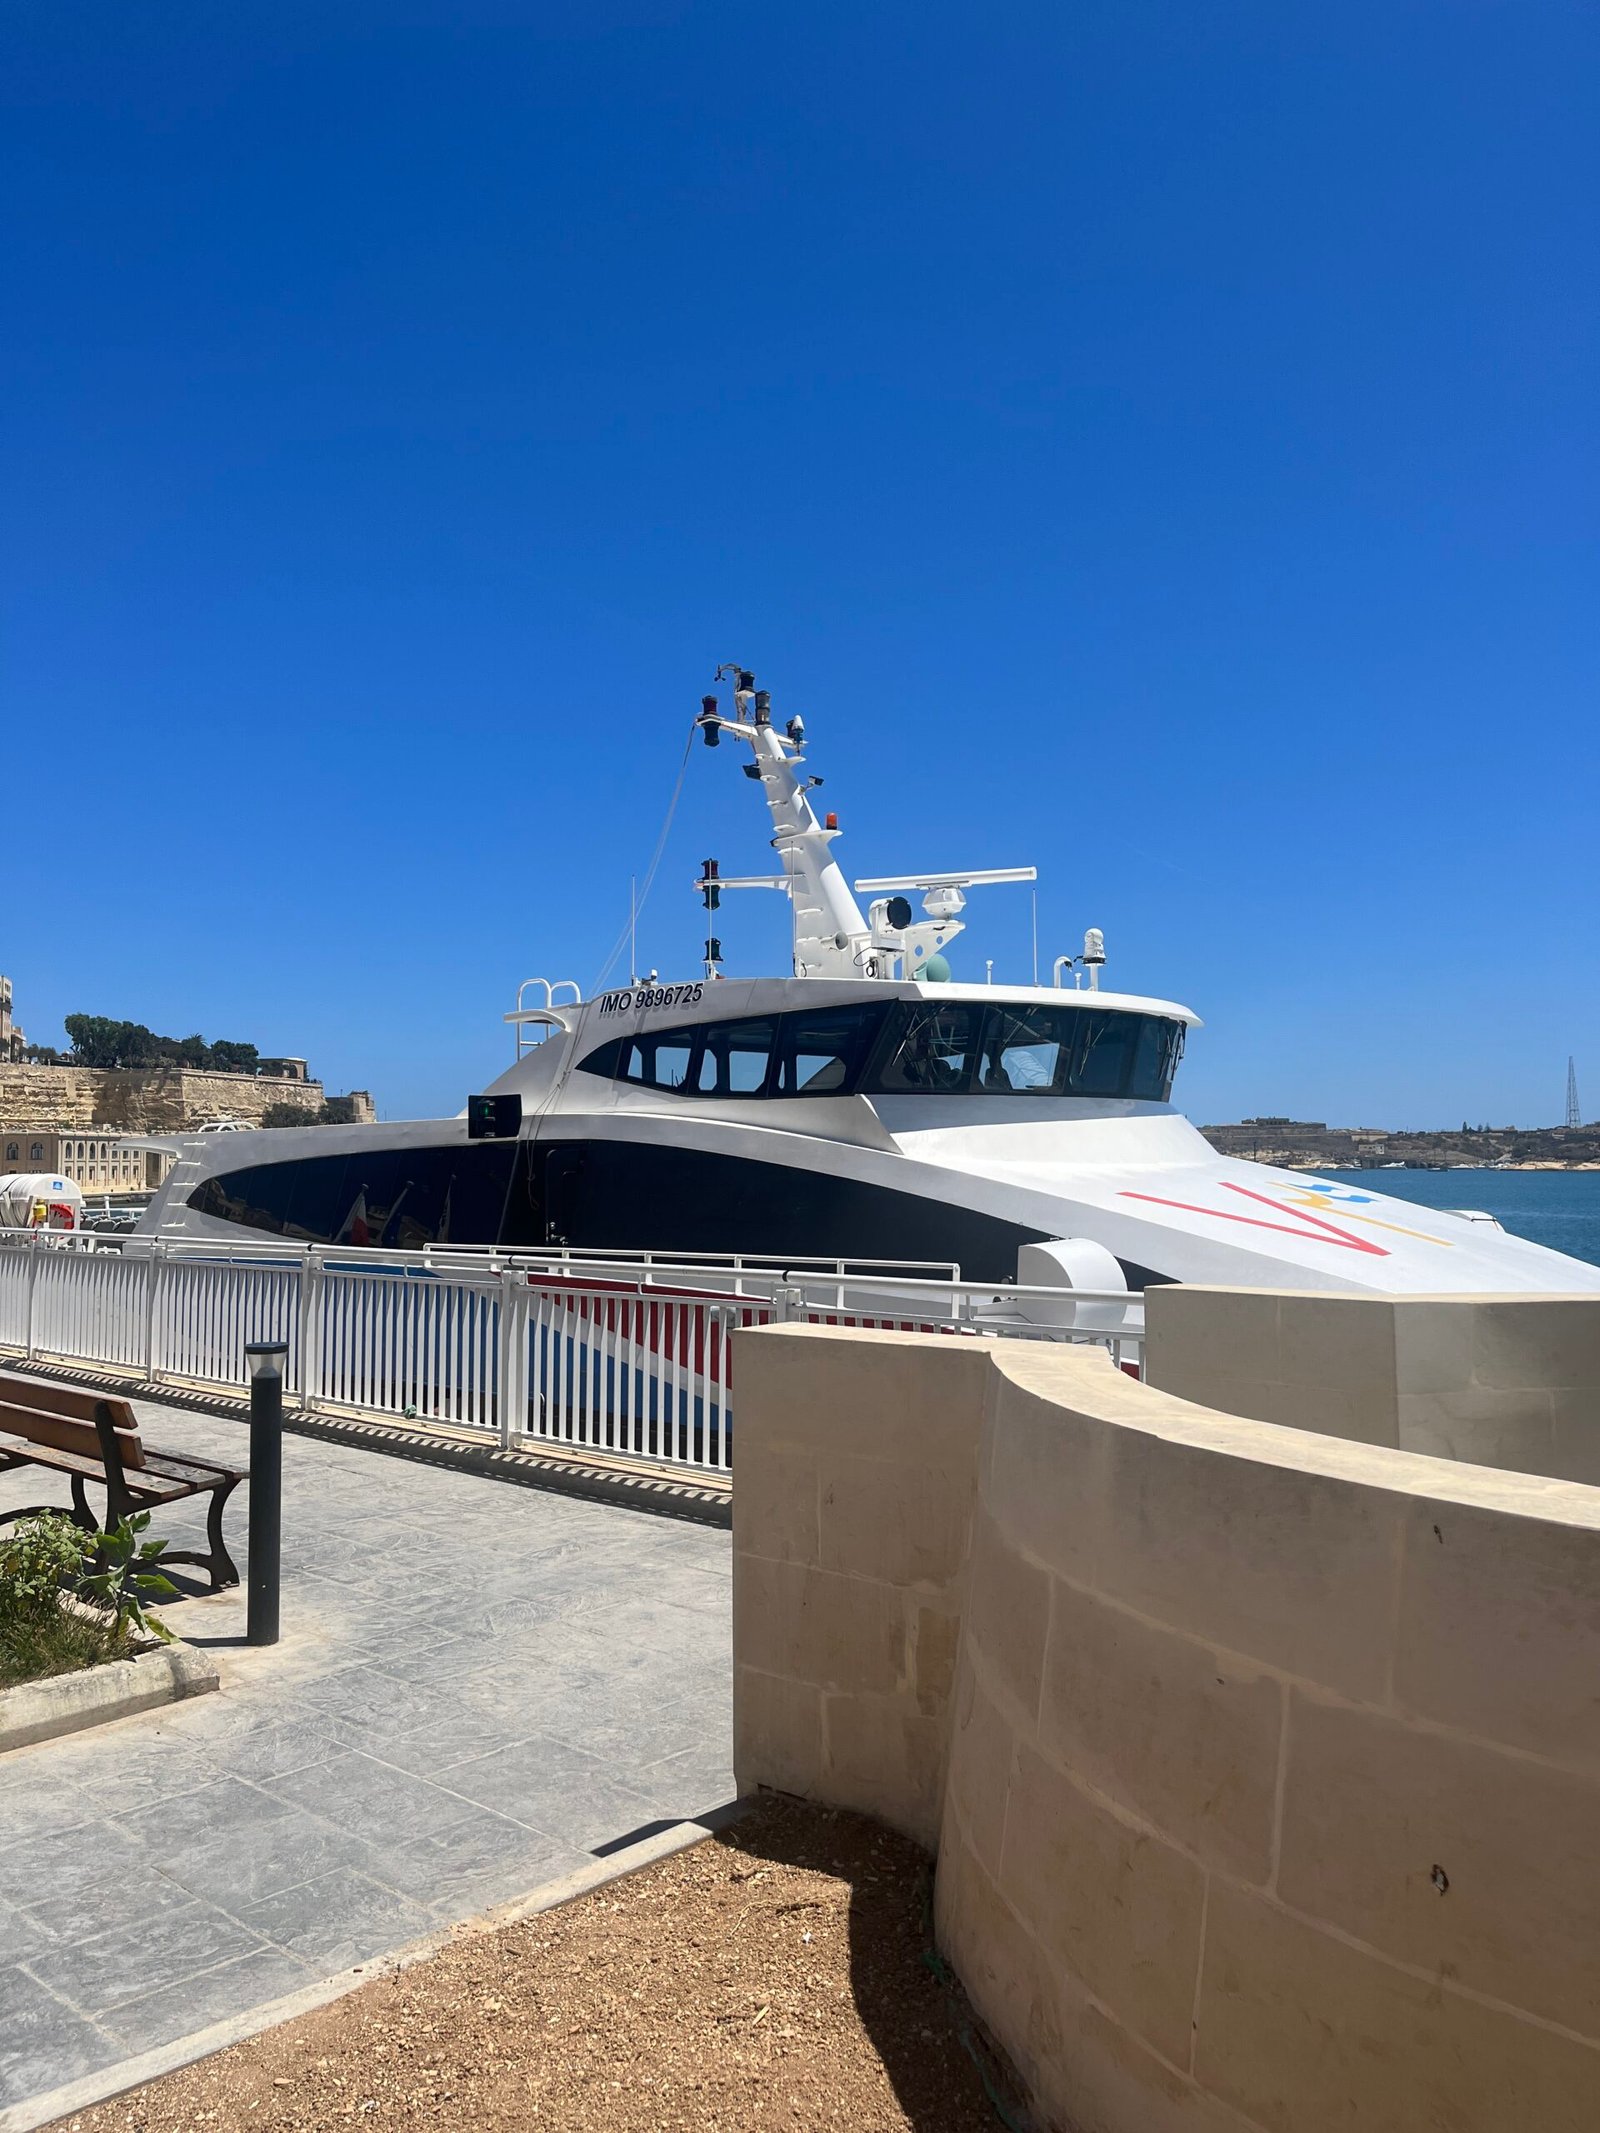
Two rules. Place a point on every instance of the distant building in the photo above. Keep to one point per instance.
(97, 1162)
(12, 1039)
(1299, 1143)
(1252, 1134)
(85, 1111)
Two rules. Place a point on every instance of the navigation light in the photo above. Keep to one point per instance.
(494, 1118)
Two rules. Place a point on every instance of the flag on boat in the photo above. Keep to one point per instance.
(355, 1228)
(390, 1234)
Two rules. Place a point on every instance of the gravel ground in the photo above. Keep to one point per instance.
(775, 1976)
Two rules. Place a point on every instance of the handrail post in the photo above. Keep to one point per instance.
(151, 1261)
(511, 1360)
(33, 1282)
(311, 1294)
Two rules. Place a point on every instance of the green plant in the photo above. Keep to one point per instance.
(70, 1599)
(288, 1115)
(125, 1576)
(38, 1557)
(103, 1041)
(42, 1560)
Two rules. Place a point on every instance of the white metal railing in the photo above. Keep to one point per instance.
(605, 1354)
(544, 1019)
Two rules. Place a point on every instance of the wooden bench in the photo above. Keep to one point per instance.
(90, 1438)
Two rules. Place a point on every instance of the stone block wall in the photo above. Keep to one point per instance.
(851, 1537)
(1268, 1776)
(1503, 1381)
(148, 1099)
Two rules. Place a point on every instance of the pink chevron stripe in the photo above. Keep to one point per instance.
(1331, 1233)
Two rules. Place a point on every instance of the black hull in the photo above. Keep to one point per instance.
(609, 1195)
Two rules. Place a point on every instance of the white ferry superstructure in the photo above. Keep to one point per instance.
(863, 1107)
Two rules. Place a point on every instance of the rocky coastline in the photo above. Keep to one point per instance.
(1309, 1144)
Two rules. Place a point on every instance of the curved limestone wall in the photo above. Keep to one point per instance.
(1507, 1381)
(1266, 1779)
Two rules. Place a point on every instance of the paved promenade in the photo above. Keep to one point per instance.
(478, 1686)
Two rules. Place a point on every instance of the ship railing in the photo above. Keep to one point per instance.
(545, 1020)
(737, 1273)
(618, 1358)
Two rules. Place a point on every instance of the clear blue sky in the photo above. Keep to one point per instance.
(1153, 441)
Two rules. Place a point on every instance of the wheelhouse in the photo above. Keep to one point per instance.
(907, 1048)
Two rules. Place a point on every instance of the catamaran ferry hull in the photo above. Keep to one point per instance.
(865, 1107)
(1145, 1188)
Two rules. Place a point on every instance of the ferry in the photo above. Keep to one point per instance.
(864, 1106)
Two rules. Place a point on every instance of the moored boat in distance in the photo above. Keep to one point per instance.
(864, 1107)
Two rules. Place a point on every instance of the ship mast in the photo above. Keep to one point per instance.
(832, 937)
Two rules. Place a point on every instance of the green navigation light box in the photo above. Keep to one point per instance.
(494, 1118)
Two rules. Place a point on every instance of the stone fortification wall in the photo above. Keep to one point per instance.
(1263, 1767)
(142, 1099)
(1503, 1381)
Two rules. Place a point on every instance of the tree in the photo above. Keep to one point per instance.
(140, 1047)
(287, 1115)
(227, 1057)
(99, 1041)
(96, 1040)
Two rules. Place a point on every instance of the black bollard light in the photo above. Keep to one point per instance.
(266, 1360)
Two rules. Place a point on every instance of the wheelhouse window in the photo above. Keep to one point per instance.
(1156, 1057)
(933, 1051)
(977, 1049)
(823, 1053)
(1024, 1053)
(921, 1047)
(734, 1058)
(670, 1061)
(1104, 1060)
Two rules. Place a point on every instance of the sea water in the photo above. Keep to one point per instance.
(1560, 1208)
